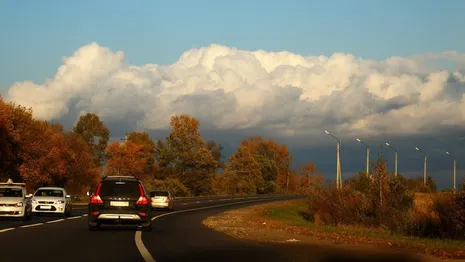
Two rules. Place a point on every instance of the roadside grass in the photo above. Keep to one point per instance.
(290, 214)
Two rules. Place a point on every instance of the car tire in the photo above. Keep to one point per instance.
(147, 227)
(94, 227)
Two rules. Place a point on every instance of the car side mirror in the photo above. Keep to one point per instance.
(68, 196)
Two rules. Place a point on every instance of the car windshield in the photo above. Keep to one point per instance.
(49, 193)
(128, 189)
(160, 193)
(11, 192)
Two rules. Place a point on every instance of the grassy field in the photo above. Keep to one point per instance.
(290, 214)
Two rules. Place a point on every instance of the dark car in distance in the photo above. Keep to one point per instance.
(120, 200)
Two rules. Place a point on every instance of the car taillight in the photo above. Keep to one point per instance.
(143, 200)
(95, 199)
(167, 200)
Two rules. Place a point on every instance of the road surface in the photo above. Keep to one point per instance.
(176, 236)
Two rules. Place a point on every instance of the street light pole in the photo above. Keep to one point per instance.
(368, 156)
(125, 138)
(455, 170)
(396, 157)
(424, 164)
(338, 161)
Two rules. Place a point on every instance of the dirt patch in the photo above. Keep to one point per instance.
(248, 223)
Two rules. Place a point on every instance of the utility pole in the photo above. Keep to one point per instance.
(424, 164)
(455, 171)
(396, 156)
(287, 182)
(368, 156)
(125, 138)
(338, 161)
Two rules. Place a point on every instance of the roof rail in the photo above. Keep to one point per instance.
(119, 177)
(10, 183)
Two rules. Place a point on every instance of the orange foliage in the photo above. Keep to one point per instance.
(258, 166)
(7, 161)
(82, 172)
(185, 157)
(126, 159)
(42, 153)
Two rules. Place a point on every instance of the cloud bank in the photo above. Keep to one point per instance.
(286, 94)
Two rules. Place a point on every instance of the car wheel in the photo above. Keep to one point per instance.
(94, 227)
(147, 227)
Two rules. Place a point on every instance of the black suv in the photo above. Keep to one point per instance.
(120, 200)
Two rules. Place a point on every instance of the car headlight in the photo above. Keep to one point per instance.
(34, 201)
(20, 204)
(59, 202)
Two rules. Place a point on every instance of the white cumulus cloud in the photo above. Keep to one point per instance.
(281, 92)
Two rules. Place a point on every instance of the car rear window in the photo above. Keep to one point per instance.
(120, 189)
(160, 193)
(11, 192)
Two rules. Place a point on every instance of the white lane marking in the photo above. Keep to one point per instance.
(138, 237)
(142, 249)
(74, 217)
(85, 215)
(55, 221)
(33, 225)
(198, 202)
(6, 229)
(185, 204)
(210, 200)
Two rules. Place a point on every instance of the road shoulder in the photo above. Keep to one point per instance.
(249, 224)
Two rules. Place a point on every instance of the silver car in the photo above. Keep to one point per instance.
(51, 200)
(14, 201)
(162, 199)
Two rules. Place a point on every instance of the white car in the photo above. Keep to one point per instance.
(53, 200)
(14, 201)
(162, 199)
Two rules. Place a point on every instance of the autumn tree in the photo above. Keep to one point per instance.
(310, 181)
(82, 171)
(8, 165)
(215, 150)
(126, 159)
(269, 162)
(144, 140)
(242, 174)
(95, 134)
(185, 157)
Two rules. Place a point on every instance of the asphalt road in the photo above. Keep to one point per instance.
(176, 236)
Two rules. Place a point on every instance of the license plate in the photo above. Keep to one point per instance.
(119, 204)
(45, 207)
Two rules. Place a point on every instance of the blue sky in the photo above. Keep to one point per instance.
(36, 34)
